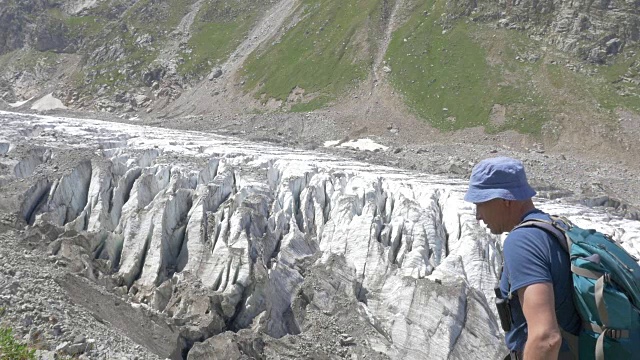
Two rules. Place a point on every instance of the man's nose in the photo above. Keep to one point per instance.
(478, 217)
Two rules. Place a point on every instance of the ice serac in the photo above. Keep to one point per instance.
(230, 247)
(67, 196)
(242, 242)
(204, 224)
(27, 166)
(5, 146)
(33, 199)
(436, 324)
(139, 220)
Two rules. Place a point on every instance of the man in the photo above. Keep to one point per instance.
(537, 272)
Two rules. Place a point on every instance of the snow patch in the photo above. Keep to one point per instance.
(359, 144)
(48, 102)
(20, 103)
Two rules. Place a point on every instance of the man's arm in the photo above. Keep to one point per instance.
(544, 338)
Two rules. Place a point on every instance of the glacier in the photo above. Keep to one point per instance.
(217, 234)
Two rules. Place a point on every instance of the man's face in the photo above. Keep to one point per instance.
(494, 213)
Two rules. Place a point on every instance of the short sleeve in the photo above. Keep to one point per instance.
(526, 254)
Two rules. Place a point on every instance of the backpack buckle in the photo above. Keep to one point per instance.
(561, 223)
(615, 333)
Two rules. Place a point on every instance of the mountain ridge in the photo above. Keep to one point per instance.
(563, 75)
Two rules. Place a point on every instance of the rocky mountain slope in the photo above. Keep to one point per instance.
(557, 77)
(562, 74)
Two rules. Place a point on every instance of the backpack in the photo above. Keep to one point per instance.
(606, 283)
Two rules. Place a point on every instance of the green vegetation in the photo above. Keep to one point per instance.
(145, 18)
(217, 30)
(326, 51)
(598, 88)
(611, 91)
(55, 13)
(27, 60)
(203, 50)
(445, 77)
(10, 349)
(454, 77)
(451, 70)
(310, 105)
(73, 27)
(156, 17)
(88, 26)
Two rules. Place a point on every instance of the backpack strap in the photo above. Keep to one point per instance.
(554, 227)
(558, 227)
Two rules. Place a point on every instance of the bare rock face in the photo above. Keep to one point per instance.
(591, 31)
(78, 6)
(27, 23)
(588, 29)
(237, 250)
(231, 346)
(51, 35)
(13, 22)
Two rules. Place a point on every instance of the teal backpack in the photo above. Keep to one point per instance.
(606, 283)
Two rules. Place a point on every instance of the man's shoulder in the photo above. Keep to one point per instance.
(530, 230)
(536, 214)
(529, 238)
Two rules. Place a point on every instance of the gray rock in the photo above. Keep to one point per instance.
(45, 355)
(79, 339)
(144, 40)
(34, 334)
(75, 349)
(346, 340)
(52, 34)
(62, 347)
(597, 55)
(142, 100)
(91, 344)
(613, 46)
(215, 73)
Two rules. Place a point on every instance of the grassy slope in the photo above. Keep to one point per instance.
(470, 67)
(329, 47)
(608, 88)
(326, 52)
(217, 30)
(12, 349)
(437, 70)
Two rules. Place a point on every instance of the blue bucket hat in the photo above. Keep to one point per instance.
(498, 177)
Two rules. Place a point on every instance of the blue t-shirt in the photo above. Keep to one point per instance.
(533, 256)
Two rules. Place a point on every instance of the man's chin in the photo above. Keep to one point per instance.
(493, 231)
